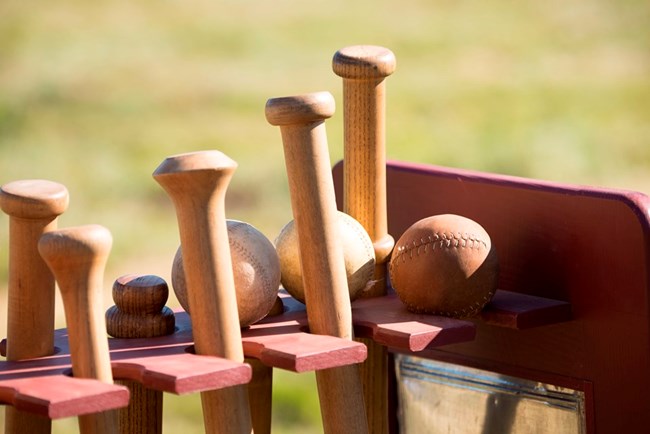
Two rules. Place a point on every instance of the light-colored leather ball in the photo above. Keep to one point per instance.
(256, 270)
(358, 252)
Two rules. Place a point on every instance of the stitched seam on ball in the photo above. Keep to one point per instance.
(437, 240)
(362, 235)
(256, 265)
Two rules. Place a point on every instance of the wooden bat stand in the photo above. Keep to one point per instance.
(163, 359)
(572, 287)
(43, 387)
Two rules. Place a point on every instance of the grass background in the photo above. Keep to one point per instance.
(96, 94)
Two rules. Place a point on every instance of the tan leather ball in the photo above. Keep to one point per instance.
(256, 269)
(444, 265)
(358, 252)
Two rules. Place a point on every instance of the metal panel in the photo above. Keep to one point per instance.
(436, 397)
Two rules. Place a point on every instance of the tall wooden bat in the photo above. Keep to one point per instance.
(363, 69)
(77, 257)
(33, 207)
(196, 183)
(301, 120)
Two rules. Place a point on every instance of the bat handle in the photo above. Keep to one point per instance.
(301, 121)
(363, 69)
(33, 207)
(77, 257)
(260, 388)
(196, 183)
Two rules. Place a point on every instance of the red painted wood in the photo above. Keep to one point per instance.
(585, 246)
(521, 311)
(59, 396)
(42, 386)
(386, 321)
(280, 341)
(181, 373)
(167, 364)
(283, 341)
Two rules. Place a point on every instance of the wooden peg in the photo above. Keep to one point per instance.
(77, 257)
(33, 207)
(301, 120)
(140, 312)
(363, 69)
(196, 183)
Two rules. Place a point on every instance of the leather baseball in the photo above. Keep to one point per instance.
(358, 253)
(256, 269)
(445, 265)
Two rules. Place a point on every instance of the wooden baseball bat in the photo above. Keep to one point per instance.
(363, 69)
(196, 183)
(260, 388)
(77, 257)
(140, 312)
(301, 121)
(32, 206)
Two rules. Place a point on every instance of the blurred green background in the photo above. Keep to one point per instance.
(96, 94)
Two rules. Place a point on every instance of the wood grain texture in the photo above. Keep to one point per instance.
(197, 183)
(77, 257)
(301, 120)
(363, 69)
(260, 396)
(144, 412)
(32, 206)
(260, 388)
(140, 312)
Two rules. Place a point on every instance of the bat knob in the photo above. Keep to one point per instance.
(75, 252)
(364, 62)
(195, 176)
(34, 199)
(300, 109)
